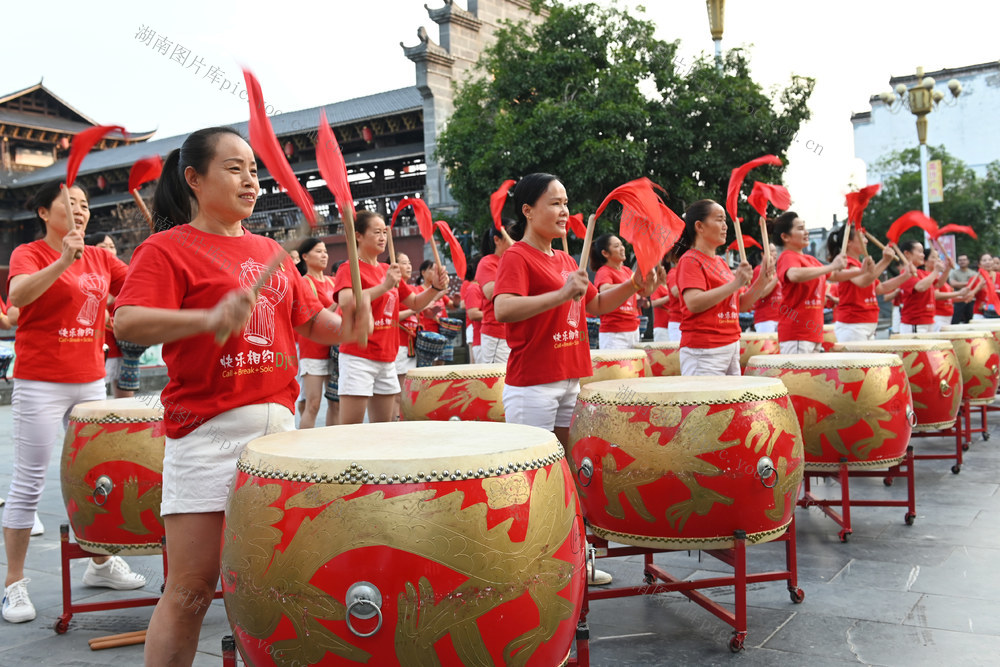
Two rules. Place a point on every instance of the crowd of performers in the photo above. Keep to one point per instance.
(526, 301)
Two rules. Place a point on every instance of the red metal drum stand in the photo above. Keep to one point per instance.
(961, 430)
(903, 469)
(658, 580)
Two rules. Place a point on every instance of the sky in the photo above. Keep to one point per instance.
(310, 53)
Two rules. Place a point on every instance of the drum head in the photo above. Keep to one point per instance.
(892, 346)
(983, 325)
(662, 345)
(754, 335)
(118, 409)
(617, 355)
(687, 390)
(824, 360)
(944, 335)
(401, 451)
(458, 372)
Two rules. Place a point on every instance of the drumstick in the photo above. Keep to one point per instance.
(142, 207)
(352, 258)
(763, 236)
(847, 238)
(587, 239)
(110, 642)
(70, 225)
(565, 242)
(739, 240)
(392, 249)
(124, 635)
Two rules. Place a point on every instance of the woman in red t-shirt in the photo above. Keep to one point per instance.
(368, 380)
(711, 296)
(855, 316)
(113, 355)
(765, 311)
(663, 300)
(620, 327)
(407, 325)
(919, 293)
(314, 358)
(803, 287)
(59, 362)
(493, 334)
(540, 294)
(229, 351)
(430, 317)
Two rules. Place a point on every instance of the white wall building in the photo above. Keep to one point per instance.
(968, 130)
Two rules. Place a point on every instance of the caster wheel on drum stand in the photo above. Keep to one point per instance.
(736, 642)
(648, 579)
(843, 535)
(956, 469)
(965, 447)
(887, 481)
(797, 595)
(909, 518)
(61, 626)
(986, 436)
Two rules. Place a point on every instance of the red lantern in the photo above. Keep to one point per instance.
(289, 149)
(64, 143)
(366, 132)
(102, 182)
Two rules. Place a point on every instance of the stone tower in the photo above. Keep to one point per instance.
(463, 35)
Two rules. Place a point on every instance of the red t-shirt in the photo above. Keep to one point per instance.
(803, 302)
(383, 344)
(944, 306)
(718, 325)
(473, 298)
(322, 290)
(553, 345)
(60, 335)
(410, 324)
(626, 316)
(437, 308)
(674, 305)
(184, 268)
(486, 272)
(766, 309)
(858, 305)
(661, 314)
(918, 307)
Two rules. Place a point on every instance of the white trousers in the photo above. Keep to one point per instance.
(767, 326)
(617, 340)
(847, 332)
(493, 350)
(724, 360)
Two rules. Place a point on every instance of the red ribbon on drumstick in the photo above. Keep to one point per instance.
(747, 241)
(857, 202)
(497, 200)
(646, 223)
(760, 195)
(425, 222)
(457, 253)
(735, 183)
(143, 171)
(81, 145)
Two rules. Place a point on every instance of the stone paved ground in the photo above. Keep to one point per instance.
(926, 594)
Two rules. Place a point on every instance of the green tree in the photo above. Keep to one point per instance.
(592, 96)
(968, 199)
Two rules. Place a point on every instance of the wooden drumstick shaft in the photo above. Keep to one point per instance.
(124, 635)
(115, 643)
(145, 211)
(70, 225)
(763, 236)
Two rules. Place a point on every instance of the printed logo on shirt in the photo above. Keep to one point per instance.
(566, 338)
(260, 329)
(246, 363)
(96, 288)
(573, 315)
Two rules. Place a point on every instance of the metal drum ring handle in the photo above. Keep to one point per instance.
(364, 594)
(945, 388)
(585, 474)
(102, 490)
(911, 416)
(765, 470)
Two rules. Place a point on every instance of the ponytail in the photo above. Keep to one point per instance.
(695, 212)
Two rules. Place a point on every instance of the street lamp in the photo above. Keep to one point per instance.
(716, 19)
(921, 99)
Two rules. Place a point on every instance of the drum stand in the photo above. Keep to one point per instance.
(73, 551)
(843, 475)
(659, 580)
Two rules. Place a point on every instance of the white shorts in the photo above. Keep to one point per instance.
(767, 326)
(364, 377)
(403, 362)
(915, 328)
(847, 332)
(723, 360)
(896, 320)
(314, 366)
(493, 350)
(674, 332)
(661, 334)
(199, 468)
(940, 321)
(112, 367)
(546, 406)
(799, 347)
(474, 352)
(617, 340)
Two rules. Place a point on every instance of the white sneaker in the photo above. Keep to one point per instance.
(17, 607)
(38, 528)
(597, 577)
(1, 501)
(114, 573)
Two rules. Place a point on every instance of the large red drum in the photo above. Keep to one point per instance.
(753, 343)
(992, 325)
(935, 380)
(469, 392)
(408, 543)
(682, 463)
(664, 358)
(112, 476)
(617, 365)
(978, 357)
(853, 407)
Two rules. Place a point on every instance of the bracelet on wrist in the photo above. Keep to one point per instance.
(637, 286)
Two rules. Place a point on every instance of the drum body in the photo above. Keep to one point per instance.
(450, 544)
(851, 406)
(617, 364)
(664, 358)
(469, 392)
(683, 462)
(829, 338)
(978, 358)
(430, 345)
(112, 476)
(935, 379)
(753, 343)
(128, 375)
